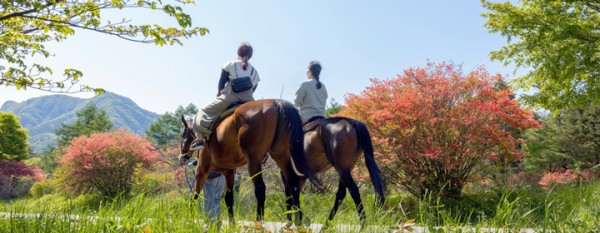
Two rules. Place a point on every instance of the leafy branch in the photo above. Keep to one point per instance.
(25, 26)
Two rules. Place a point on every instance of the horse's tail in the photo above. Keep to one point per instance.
(364, 141)
(294, 125)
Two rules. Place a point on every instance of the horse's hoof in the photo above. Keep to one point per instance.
(258, 225)
(287, 229)
(326, 226)
(302, 229)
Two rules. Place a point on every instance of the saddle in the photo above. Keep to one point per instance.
(230, 109)
(312, 123)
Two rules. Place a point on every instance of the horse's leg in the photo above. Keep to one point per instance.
(255, 171)
(229, 194)
(202, 171)
(288, 197)
(294, 185)
(339, 198)
(346, 177)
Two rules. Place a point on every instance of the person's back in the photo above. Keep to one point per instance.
(235, 70)
(238, 81)
(311, 96)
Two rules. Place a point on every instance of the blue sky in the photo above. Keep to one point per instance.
(353, 40)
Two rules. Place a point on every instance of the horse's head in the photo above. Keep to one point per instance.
(187, 137)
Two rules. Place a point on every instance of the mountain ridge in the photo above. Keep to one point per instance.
(41, 116)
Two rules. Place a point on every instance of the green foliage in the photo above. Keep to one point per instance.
(39, 189)
(334, 108)
(573, 209)
(165, 130)
(13, 138)
(89, 120)
(570, 140)
(47, 161)
(559, 41)
(27, 25)
(152, 183)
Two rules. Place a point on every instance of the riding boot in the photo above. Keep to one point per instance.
(197, 144)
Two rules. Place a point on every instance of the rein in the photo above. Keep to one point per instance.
(190, 184)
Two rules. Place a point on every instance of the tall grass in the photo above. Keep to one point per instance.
(564, 209)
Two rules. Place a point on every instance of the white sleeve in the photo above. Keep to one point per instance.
(300, 94)
(228, 67)
(255, 78)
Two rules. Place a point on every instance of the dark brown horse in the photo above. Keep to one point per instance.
(245, 137)
(338, 142)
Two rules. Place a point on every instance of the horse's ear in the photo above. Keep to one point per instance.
(184, 122)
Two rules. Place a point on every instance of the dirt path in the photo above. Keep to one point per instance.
(275, 227)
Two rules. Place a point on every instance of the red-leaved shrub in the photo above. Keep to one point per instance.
(16, 178)
(552, 179)
(105, 162)
(434, 127)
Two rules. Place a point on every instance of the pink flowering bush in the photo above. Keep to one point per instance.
(105, 162)
(16, 178)
(551, 179)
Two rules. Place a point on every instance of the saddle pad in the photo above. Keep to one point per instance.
(312, 125)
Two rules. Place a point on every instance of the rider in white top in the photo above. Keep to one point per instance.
(311, 96)
(226, 96)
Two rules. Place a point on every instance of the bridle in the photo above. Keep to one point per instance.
(185, 150)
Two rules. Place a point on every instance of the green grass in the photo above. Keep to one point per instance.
(566, 209)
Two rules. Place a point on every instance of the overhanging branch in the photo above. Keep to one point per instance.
(23, 13)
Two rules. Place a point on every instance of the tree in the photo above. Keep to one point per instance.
(16, 178)
(334, 108)
(13, 138)
(166, 129)
(89, 120)
(47, 160)
(559, 41)
(26, 25)
(105, 162)
(434, 127)
(571, 140)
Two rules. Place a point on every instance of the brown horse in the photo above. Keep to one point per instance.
(245, 137)
(338, 142)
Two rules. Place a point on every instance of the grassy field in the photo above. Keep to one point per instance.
(567, 209)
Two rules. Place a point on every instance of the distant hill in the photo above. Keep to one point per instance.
(43, 115)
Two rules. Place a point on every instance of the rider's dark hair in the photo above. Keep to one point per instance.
(315, 70)
(245, 52)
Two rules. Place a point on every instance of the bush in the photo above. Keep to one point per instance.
(551, 179)
(434, 127)
(104, 162)
(40, 189)
(15, 187)
(153, 182)
(16, 178)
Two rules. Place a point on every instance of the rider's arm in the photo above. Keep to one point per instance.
(300, 94)
(223, 80)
